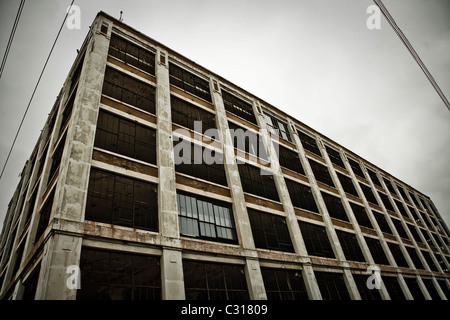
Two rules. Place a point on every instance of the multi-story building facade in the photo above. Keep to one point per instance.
(113, 205)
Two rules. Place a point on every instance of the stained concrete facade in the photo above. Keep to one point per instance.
(46, 231)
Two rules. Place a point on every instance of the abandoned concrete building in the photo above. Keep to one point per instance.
(103, 209)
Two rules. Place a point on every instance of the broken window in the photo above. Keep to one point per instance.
(122, 201)
(289, 159)
(186, 114)
(368, 193)
(107, 275)
(126, 137)
(321, 173)
(361, 215)
(414, 288)
(132, 54)
(385, 199)
(356, 167)
(214, 281)
(347, 184)
(335, 156)
(205, 218)
(277, 127)
(189, 82)
(238, 107)
(364, 291)
(393, 288)
(301, 196)
(373, 175)
(281, 284)
(309, 143)
(247, 141)
(377, 251)
(334, 206)
(316, 240)
(270, 231)
(190, 160)
(332, 286)
(350, 246)
(129, 90)
(398, 255)
(258, 181)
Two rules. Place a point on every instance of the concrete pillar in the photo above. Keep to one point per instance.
(62, 251)
(243, 229)
(291, 220)
(171, 260)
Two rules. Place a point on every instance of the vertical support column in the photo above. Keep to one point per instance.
(61, 250)
(291, 220)
(171, 260)
(243, 229)
(362, 242)
(335, 243)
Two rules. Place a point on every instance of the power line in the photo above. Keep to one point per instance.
(408, 45)
(11, 37)
(34, 91)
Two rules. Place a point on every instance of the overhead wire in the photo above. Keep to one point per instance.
(11, 37)
(34, 91)
(413, 52)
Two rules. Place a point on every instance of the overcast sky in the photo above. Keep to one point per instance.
(314, 59)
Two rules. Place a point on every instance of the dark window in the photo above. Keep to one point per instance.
(334, 206)
(414, 288)
(56, 157)
(316, 240)
(258, 181)
(398, 255)
(430, 261)
(413, 197)
(356, 168)
(444, 287)
(301, 196)
(350, 246)
(238, 107)
(382, 222)
(118, 276)
(373, 175)
(132, 54)
(205, 218)
(289, 159)
(361, 215)
(270, 231)
(125, 137)
(332, 286)
(387, 204)
(414, 213)
(402, 192)
(393, 288)
(401, 208)
(189, 82)
(399, 226)
(284, 284)
(415, 258)
(389, 185)
(186, 114)
(67, 112)
(364, 291)
(213, 281)
(309, 143)
(129, 90)
(414, 233)
(377, 251)
(247, 141)
(277, 127)
(30, 208)
(335, 156)
(347, 184)
(123, 201)
(321, 173)
(192, 159)
(368, 193)
(44, 216)
(31, 284)
(431, 289)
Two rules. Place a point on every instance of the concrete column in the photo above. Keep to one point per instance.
(61, 251)
(291, 219)
(243, 229)
(352, 218)
(171, 260)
